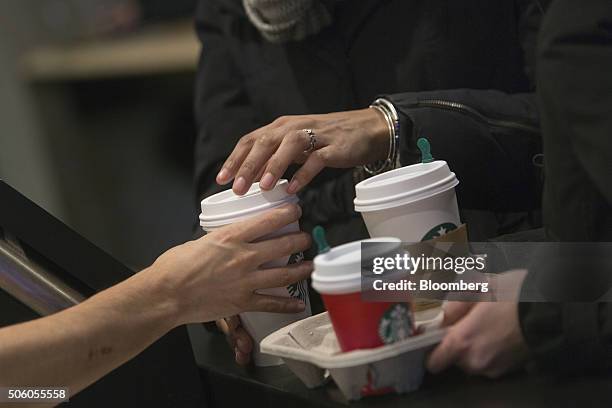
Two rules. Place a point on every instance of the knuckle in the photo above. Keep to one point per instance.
(286, 277)
(248, 167)
(267, 140)
(274, 168)
(223, 235)
(274, 306)
(240, 261)
(288, 244)
(230, 164)
(247, 257)
(297, 137)
(233, 263)
(285, 306)
(478, 362)
(459, 343)
(288, 212)
(304, 241)
(321, 156)
(300, 177)
(293, 212)
(246, 140)
(282, 120)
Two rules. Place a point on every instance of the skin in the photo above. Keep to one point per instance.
(201, 280)
(343, 140)
(237, 337)
(483, 338)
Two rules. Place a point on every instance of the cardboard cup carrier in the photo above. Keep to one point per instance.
(414, 203)
(226, 208)
(367, 348)
(311, 350)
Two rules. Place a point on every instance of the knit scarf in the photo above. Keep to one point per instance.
(281, 21)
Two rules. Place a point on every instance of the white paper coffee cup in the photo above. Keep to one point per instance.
(226, 208)
(339, 271)
(414, 203)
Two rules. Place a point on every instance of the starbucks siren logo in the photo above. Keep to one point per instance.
(299, 289)
(439, 230)
(395, 324)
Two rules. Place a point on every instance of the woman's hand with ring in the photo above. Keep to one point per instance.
(341, 140)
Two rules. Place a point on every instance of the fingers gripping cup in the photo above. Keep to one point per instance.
(226, 208)
(358, 324)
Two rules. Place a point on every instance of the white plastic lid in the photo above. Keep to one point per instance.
(339, 270)
(403, 186)
(226, 207)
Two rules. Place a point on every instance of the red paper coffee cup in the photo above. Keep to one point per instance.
(359, 324)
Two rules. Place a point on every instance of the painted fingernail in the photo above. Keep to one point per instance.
(240, 344)
(293, 187)
(267, 181)
(223, 174)
(239, 185)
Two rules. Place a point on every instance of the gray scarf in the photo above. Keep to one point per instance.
(280, 21)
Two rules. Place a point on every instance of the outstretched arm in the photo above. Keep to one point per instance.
(202, 280)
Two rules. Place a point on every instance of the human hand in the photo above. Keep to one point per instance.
(483, 338)
(218, 275)
(237, 337)
(343, 139)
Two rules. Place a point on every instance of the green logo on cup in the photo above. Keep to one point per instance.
(395, 324)
(299, 289)
(439, 230)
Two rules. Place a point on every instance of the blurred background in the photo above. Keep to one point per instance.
(96, 117)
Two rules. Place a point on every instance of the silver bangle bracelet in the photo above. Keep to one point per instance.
(392, 118)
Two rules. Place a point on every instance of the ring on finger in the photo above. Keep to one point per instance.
(312, 142)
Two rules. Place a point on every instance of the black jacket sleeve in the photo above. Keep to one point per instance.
(574, 87)
(568, 338)
(489, 138)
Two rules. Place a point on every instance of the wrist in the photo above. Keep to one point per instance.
(379, 134)
(156, 296)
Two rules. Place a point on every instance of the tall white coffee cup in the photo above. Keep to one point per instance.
(226, 208)
(414, 203)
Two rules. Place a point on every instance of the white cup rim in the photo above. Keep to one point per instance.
(226, 208)
(394, 182)
(343, 276)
